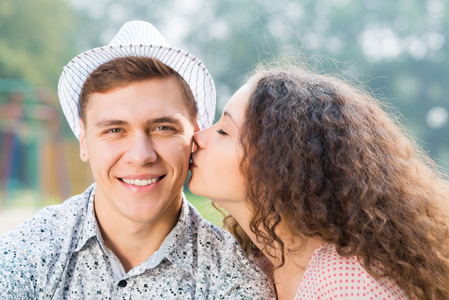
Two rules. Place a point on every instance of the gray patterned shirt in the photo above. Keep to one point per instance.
(59, 254)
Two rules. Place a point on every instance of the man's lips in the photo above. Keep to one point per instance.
(141, 182)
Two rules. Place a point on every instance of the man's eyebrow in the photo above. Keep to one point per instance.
(112, 122)
(169, 120)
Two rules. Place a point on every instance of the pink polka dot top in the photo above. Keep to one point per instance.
(331, 276)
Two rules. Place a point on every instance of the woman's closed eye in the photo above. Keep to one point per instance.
(221, 132)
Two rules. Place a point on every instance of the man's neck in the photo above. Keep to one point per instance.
(132, 242)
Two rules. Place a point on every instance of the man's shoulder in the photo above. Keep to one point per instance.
(211, 235)
(40, 246)
(214, 240)
(226, 262)
(51, 225)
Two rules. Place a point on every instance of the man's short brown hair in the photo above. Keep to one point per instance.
(123, 71)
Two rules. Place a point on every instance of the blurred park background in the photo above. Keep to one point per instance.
(399, 49)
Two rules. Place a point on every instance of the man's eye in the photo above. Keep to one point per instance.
(221, 132)
(115, 130)
(163, 128)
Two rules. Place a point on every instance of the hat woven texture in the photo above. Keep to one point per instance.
(136, 38)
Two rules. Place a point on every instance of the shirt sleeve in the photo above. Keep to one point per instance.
(16, 273)
(251, 290)
(247, 289)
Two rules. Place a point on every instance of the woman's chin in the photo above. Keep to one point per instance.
(194, 187)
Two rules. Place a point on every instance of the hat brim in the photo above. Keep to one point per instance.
(189, 67)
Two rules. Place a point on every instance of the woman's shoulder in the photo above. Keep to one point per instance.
(331, 275)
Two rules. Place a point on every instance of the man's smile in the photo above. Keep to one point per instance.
(141, 182)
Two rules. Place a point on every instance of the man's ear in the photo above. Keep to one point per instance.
(196, 126)
(83, 147)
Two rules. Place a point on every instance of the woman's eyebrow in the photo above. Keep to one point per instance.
(227, 114)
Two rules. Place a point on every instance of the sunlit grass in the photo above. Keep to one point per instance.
(204, 206)
(25, 198)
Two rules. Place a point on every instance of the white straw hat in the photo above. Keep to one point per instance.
(137, 38)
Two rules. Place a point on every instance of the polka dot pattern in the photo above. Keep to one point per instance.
(331, 276)
(60, 255)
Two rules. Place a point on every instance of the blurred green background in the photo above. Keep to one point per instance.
(399, 49)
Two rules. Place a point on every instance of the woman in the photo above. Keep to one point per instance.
(329, 188)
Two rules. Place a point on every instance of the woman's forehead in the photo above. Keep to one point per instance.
(237, 104)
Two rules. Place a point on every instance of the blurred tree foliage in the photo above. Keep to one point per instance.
(36, 39)
(398, 48)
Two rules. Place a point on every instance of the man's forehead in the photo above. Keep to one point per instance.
(141, 102)
(156, 93)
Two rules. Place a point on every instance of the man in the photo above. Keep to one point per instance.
(134, 105)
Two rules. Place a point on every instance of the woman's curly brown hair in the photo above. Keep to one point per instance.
(326, 160)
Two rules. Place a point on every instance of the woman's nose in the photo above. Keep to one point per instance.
(199, 140)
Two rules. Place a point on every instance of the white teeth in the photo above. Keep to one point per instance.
(140, 182)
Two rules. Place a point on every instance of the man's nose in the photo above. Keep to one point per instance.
(140, 150)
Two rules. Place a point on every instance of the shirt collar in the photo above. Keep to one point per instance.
(180, 250)
(177, 246)
(90, 227)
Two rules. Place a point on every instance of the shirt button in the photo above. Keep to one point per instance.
(122, 283)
